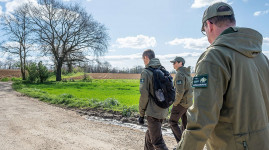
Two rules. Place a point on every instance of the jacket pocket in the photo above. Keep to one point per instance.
(257, 139)
(241, 141)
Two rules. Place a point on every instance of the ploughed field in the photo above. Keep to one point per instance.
(17, 73)
(9, 73)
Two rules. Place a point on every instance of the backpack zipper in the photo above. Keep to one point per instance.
(245, 145)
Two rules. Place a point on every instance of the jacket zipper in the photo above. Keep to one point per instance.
(245, 145)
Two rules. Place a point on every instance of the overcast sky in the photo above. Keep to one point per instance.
(170, 27)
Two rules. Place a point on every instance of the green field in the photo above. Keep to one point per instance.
(112, 94)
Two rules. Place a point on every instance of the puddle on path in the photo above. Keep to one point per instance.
(165, 131)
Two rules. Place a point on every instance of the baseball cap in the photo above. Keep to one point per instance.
(178, 59)
(212, 11)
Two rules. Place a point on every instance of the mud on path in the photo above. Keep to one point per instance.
(29, 124)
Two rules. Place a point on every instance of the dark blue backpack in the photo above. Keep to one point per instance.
(164, 91)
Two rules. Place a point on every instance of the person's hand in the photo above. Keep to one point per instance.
(141, 120)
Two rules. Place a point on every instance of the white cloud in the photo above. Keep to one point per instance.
(204, 3)
(12, 5)
(266, 40)
(112, 50)
(191, 43)
(4, 0)
(138, 42)
(258, 13)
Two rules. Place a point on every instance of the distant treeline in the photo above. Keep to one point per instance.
(102, 67)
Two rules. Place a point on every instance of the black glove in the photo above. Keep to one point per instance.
(141, 120)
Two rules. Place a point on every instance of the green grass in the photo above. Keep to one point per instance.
(112, 94)
(6, 79)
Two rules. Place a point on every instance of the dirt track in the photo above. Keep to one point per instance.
(28, 124)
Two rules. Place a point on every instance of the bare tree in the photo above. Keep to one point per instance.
(67, 32)
(17, 27)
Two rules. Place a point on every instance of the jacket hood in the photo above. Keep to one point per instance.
(154, 63)
(246, 41)
(185, 70)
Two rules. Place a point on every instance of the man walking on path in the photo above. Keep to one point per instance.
(155, 114)
(183, 100)
(231, 90)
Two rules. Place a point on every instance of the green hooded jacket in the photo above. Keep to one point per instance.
(146, 104)
(231, 95)
(182, 83)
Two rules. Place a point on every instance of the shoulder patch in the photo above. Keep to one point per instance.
(142, 80)
(179, 82)
(200, 81)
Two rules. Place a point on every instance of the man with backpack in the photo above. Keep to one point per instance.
(147, 106)
(183, 99)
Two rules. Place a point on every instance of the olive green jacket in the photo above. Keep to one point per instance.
(231, 105)
(182, 83)
(146, 104)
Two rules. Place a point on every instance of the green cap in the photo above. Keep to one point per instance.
(178, 59)
(212, 11)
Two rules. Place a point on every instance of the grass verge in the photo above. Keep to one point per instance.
(116, 95)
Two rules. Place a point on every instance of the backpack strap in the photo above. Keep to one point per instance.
(151, 69)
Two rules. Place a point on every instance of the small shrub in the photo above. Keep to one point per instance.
(87, 78)
(110, 102)
(126, 111)
(37, 73)
(65, 95)
(95, 103)
(32, 72)
(129, 111)
(43, 72)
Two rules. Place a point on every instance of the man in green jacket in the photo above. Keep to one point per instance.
(155, 114)
(231, 95)
(183, 99)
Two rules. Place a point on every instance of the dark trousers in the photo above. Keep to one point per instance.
(154, 139)
(176, 113)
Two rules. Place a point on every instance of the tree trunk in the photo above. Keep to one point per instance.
(70, 67)
(22, 69)
(59, 71)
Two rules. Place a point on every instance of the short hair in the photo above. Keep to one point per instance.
(222, 20)
(149, 53)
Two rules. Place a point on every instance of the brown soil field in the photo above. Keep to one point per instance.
(111, 76)
(9, 73)
(116, 76)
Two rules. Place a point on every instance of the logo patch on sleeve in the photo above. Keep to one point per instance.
(142, 80)
(179, 82)
(200, 81)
